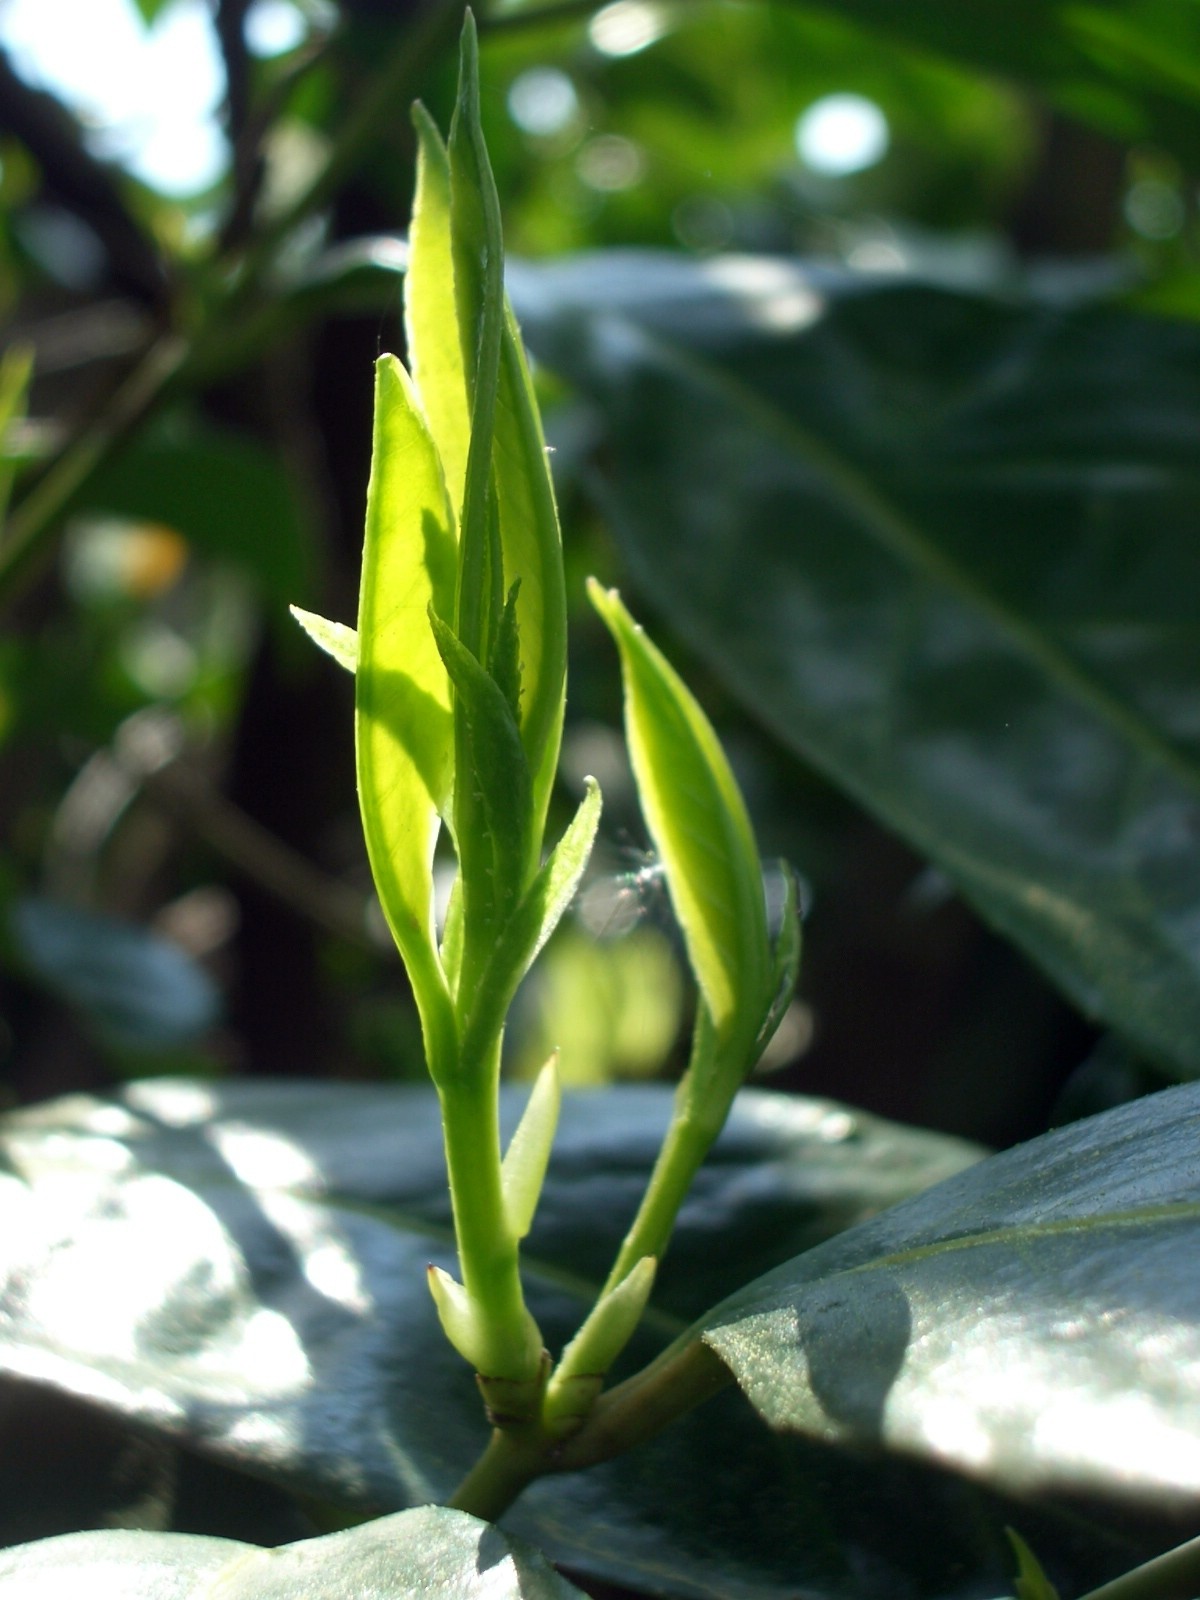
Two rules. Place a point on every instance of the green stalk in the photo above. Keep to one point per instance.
(683, 1377)
(694, 1127)
(508, 1466)
(680, 1158)
(509, 1344)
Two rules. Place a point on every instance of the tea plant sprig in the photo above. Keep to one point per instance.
(460, 668)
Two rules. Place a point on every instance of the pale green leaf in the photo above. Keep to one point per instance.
(337, 639)
(529, 532)
(430, 311)
(698, 821)
(403, 723)
(525, 1161)
(477, 250)
(532, 547)
(1032, 1582)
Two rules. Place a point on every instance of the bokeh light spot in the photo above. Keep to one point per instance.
(840, 134)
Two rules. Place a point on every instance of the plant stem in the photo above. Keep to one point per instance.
(680, 1158)
(487, 1250)
(1167, 1577)
(506, 1467)
(676, 1382)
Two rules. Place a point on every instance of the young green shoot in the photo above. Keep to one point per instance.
(459, 661)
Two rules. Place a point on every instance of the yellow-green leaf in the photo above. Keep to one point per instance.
(437, 308)
(335, 638)
(698, 821)
(430, 310)
(404, 730)
(532, 549)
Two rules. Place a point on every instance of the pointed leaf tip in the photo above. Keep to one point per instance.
(610, 1325)
(337, 639)
(528, 1155)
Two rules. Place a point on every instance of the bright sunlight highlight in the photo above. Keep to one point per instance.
(147, 95)
(840, 134)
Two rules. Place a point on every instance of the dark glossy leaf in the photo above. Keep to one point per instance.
(117, 1564)
(944, 546)
(137, 989)
(1035, 1321)
(431, 1552)
(242, 1267)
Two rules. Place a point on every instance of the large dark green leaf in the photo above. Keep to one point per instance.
(241, 1267)
(945, 546)
(431, 1552)
(1035, 1320)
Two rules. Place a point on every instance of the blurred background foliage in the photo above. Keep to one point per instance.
(183, 886)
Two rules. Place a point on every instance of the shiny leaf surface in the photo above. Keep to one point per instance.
(137, 989)
(943, 546)
(433, 1552)
(1035, 1320)
(278, 1315)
